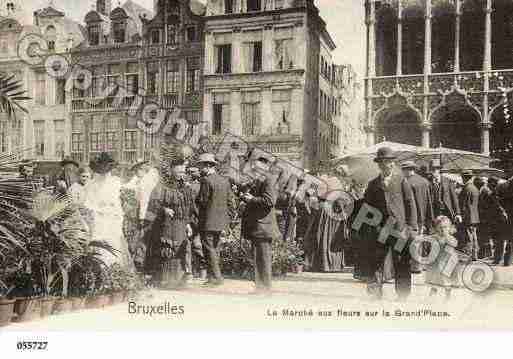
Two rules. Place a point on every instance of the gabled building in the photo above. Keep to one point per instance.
(42, 133)
(264, 73)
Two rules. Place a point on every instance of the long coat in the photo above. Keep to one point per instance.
(423, 200)
(259, 217)
(215, 203)
(469, 201)
(446, 197)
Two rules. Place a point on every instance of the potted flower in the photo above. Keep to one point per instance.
(6, 304)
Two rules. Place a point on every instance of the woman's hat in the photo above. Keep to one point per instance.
(408, 165)
(140, 162)
(384, 153)
(104, 163)
(69, 161)
(207, 158)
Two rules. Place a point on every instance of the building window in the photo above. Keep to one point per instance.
(281, 110)
(132, 79)
(39, 138)
(193, 74)
(251, 118)
(191, 34)
(51, 45)
(224, 59)
(130, 139)
(254, 5)
(97, 80)
(155, 36)
(60, 95)
(173, 76)
(94, 35)
(221, 118)
(113, 75)
(152, 78)
(111, 135)
(279, 4)
(95, 136)
(253, 56)
(283, 54)
(40, 90)
(77, 139)
(51, 36)
(172, 35)
(228, 6)
(119, 32)
(60, 139)
(3, 135)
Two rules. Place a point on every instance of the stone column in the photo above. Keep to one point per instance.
(457, 29)
(485, 138)
(267, 111)
(209, 51)
(399, 68)
(207, 112)
(427, 39)
(487, 59)
(267, 48)
(371, 58)
(426, 129)
(236, 113)
(237, 53)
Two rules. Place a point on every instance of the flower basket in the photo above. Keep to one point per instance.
(47, 305)
(6, 311)
(27, 309)
(78, 303)
(97, 301)
(116, 297)
(62, 305)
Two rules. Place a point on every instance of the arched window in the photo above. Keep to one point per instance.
(51, 37)
(119, 31)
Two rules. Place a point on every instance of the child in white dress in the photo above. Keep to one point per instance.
(444, 231)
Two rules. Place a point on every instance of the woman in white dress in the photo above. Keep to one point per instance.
(103, 197)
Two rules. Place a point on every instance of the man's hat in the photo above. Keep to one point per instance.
(384, 153)
(467, 173)
(493, 180)
(207, 158)
(69, 161)
(103, 163)
(435, 163)
(408, 165)
(140, 162)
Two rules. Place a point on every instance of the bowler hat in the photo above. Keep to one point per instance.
(207, 158)
(384, 153)
(435, 163)
(408, 165)
(103, 163)
(69, 161)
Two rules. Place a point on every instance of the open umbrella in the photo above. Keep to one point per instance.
(453, 160)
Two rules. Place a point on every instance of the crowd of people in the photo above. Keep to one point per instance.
(168, 219)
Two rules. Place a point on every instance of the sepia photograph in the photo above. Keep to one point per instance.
(255, 165)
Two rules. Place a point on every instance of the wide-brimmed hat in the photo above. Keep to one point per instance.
(385, 153)
(408, 165)
(69, 161)
(435, 163)
(467, 173)
(103, 163)
(140, 162)
(207, 158)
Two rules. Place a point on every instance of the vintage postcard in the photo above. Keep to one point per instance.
(174, 165)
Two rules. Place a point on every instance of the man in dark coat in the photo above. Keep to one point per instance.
(498, 221)
(443, 190)
(423, 200)
(469, 201)
(215, 203)
(391, 195)
(260, 226)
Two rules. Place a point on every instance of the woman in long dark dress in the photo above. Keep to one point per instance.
(324, 239)
(172, 204)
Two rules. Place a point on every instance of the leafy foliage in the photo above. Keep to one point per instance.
(11, 94)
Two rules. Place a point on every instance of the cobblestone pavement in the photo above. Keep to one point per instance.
(335, 301)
